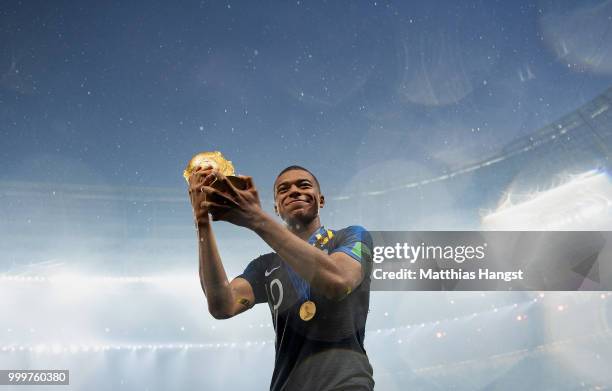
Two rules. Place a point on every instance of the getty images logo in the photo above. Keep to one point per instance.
(408, 252)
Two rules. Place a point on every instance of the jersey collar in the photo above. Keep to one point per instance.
(318, 234)
(321, 237)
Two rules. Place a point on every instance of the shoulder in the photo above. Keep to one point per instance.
(354, 229)
(269, 255)
(356, 232)
(351, 236)
(264, 259)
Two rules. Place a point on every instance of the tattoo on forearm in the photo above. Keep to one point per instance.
(244, 301)
(347, 291)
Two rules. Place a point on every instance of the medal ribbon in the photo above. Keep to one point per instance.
(319, 239)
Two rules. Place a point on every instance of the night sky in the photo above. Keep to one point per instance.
(122, 93)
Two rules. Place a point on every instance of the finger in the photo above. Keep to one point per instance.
(194, 178)
(248, 181)
(197, 179)
(194, 185)
(203, 167)
(212, 192)
(202, 173)
(209, 205)
(209, 179)
(231, 189)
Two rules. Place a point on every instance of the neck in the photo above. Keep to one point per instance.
(304, 231)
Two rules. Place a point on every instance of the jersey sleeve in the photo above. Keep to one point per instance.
(254, 274)
(356, 242)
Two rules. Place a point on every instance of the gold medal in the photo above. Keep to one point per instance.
(308, 310)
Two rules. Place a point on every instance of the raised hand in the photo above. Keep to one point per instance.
(234, 205)
(199, 179)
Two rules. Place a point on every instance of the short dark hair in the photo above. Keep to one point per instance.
(296, 167)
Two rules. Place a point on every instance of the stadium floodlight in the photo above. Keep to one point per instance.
(583, 202)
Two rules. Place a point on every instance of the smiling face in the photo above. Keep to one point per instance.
(297, 197)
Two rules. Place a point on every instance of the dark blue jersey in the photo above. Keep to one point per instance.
(326, 352)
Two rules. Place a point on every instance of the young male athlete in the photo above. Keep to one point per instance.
(316, 282)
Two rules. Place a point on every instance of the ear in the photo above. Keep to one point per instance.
(321, 201)
(276, 209)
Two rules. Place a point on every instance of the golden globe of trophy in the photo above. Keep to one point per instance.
(219, 164)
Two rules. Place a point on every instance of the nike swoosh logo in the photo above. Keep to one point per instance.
(268, 272)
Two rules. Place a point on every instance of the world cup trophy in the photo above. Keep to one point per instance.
(219, 164)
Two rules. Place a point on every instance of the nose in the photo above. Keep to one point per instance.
(294, 191)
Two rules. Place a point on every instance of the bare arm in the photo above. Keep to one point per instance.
(225, 299)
